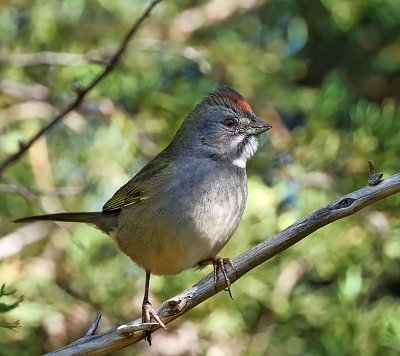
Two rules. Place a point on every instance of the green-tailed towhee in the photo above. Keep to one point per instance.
(186, 203)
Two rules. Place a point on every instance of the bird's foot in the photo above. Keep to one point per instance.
(149, 313)
(220, 264)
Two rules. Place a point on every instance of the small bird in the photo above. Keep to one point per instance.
(182, 208)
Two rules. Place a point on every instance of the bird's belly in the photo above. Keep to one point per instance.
(164, 252)
(169, 238)
(172, 250)
(173, 247)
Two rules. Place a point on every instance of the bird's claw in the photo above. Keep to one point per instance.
(149, 313)
(219, 264)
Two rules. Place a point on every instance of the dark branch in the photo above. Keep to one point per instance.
(83, 91)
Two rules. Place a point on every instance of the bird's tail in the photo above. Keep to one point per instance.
(87, 217)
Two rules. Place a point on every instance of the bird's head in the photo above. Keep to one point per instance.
(222, 126)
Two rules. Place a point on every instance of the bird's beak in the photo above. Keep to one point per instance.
(257, 127)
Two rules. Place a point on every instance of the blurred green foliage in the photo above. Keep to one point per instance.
(8, 306)
(325, 73)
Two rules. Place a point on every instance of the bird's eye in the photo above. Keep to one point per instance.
(229, 123)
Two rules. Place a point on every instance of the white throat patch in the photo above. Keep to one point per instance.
(248, 151)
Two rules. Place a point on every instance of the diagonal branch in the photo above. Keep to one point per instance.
(81, 92)
(124, 335)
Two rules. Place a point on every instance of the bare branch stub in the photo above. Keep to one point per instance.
(94, 326)
(374, 178)
(83, 91)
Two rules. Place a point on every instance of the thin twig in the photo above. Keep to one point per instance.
(82, 92)
(119, 337)
(94, 326)
(15, 186)
(97, 56)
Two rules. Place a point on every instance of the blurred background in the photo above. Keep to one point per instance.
(325, 74)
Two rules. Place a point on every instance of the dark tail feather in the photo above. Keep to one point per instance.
(89, 217)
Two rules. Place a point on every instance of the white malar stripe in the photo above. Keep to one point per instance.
(236, 141)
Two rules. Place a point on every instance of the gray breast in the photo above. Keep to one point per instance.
(211, 200)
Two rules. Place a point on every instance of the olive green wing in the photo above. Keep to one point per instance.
(130, 193)
(136, 190)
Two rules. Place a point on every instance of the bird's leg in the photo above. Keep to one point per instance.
(219, 264)
(147, 310)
